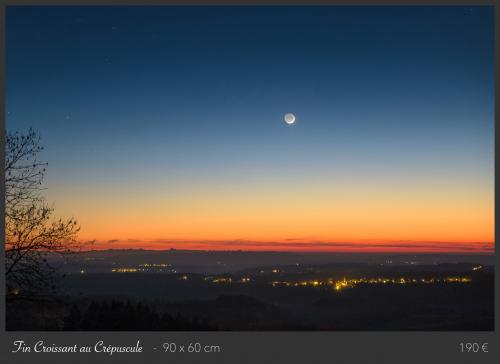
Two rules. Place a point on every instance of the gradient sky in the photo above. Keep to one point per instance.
(163, 126)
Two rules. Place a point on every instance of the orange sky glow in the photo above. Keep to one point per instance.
(409, 218)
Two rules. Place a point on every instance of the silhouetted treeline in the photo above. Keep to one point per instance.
(119, 316)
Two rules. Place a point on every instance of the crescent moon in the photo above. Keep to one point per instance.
(289, 118)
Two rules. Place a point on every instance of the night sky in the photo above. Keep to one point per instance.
(163, 126)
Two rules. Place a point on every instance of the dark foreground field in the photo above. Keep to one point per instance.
(434, 298)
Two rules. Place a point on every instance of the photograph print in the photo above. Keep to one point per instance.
(249, 168)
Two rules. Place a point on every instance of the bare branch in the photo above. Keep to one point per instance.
(30, 230)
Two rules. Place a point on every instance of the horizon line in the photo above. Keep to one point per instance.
(293, 245)
(377, 252)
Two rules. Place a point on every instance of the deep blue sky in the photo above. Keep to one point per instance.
(198, 93)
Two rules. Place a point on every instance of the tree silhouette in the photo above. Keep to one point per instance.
(120, 316)
(30, 231)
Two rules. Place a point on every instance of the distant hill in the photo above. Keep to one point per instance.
(195, 261)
